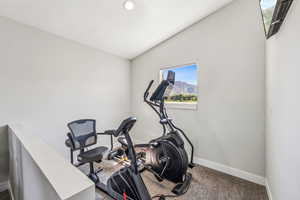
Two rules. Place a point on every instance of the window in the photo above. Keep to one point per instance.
(184, 93)
(267, 7)
(274, 12)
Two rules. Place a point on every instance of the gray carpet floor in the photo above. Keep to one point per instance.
(207, 184)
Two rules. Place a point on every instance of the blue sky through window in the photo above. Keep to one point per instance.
(267, 3)
(186, 73)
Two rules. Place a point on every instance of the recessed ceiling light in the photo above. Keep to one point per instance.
(129, 5)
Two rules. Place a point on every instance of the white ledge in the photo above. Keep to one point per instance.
(182, 105)
(65, 179)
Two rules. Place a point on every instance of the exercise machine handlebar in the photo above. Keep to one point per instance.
(146, 94)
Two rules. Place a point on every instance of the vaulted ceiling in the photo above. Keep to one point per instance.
(106, 25)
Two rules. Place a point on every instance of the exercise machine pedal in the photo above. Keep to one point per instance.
(181, 188)
(115, 153)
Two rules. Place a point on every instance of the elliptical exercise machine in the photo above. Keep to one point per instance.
(166, 156)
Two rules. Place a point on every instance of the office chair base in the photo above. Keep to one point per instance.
(94, 177)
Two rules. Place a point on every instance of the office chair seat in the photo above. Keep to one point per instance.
(93, 155)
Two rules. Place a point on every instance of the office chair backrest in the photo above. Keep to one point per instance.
(83, 133)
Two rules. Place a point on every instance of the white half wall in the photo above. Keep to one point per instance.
(283, 108)
(4, 158)
(229, 48)
(37, 172)
(46, 82)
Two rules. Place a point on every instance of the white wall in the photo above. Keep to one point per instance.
(229, 47)
(283, 108)
(46, 81)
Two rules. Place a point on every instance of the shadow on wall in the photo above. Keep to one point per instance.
(4, 154)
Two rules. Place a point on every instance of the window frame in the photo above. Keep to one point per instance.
(181, 105)
(280, 11)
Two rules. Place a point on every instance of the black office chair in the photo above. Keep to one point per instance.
(83, 134)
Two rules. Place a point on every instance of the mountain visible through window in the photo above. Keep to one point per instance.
(185, 89)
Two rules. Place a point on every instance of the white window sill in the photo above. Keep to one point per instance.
(181, 106)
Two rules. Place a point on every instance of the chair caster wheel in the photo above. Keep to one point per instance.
(94, 178)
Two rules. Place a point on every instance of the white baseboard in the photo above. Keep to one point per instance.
(4, 186)
(269, 190)
(231, 171)
(226, 169)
